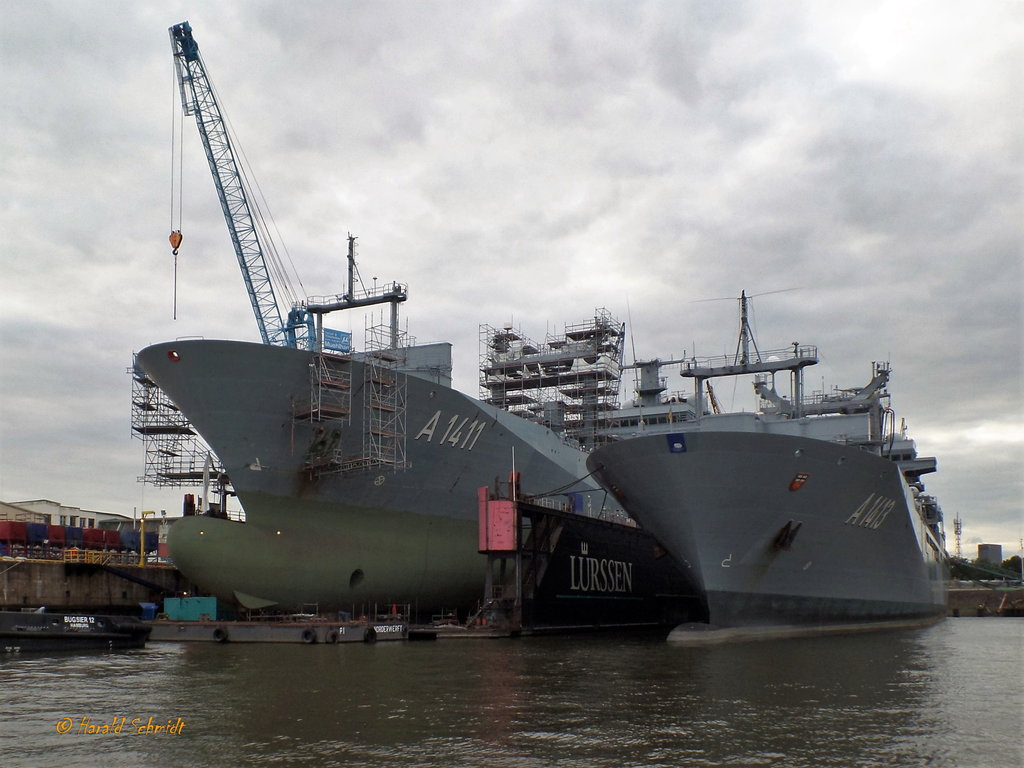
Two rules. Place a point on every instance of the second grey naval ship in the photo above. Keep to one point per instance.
(808, 515)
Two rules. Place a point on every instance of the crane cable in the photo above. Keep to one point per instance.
(285, 273)
(279, 271)
(177, 129)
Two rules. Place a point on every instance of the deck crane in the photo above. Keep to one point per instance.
(197, 98)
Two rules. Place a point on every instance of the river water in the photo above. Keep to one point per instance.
(948, 695)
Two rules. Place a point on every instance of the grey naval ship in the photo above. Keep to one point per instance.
(358, 474)
(808, 515)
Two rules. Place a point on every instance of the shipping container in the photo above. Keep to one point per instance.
(130, 540)
(190, 608)
(55, 533)
(13, 531)
(36, 533)
(74, 536)
(93, 538)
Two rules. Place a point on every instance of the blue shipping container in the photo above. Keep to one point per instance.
(74, 536)
(37, 532)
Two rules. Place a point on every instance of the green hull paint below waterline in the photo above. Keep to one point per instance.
(376, 555)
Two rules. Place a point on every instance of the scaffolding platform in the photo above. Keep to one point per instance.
(377, 439)
(575, 375)
(175, 455)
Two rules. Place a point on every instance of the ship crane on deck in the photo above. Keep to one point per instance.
(175, 453)
(299, 329)
(197, 98)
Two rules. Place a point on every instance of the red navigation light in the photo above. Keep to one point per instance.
(173, 356)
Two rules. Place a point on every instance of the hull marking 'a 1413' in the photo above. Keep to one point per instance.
(872, 512)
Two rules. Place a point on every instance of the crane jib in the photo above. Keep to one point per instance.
(304, 319)
(197, 97)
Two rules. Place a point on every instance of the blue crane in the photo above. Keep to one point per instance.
(197, 98)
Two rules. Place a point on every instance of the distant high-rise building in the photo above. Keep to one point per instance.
(991, 552)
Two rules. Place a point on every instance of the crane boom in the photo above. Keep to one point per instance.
(197, 98)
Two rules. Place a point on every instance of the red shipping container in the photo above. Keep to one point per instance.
(56, 534)
(93, 538)
(112, 539)
(13, 530)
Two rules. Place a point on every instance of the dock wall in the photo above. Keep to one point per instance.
(986, 602)
(85, 586)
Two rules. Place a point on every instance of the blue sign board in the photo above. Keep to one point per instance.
(337, 341)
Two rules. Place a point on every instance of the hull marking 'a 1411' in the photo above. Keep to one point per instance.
(453, 434)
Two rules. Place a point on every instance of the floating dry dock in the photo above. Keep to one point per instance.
(550, 569)
(308, 632)
(546, 570)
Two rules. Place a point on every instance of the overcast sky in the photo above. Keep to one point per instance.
(528, 162)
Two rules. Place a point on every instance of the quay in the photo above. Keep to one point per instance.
(93, 584)
(988, 600)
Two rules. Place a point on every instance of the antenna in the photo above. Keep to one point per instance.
(746, 334)
(751, 296)
(632, 344)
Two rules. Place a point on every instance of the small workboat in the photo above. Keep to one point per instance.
(41, 631)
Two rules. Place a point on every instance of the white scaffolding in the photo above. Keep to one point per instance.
(384, 399)
(569, 383)
(175, 456)
(329, 408)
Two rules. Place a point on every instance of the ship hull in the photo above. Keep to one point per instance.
(405, 533)
(783, 531)
(49, 632)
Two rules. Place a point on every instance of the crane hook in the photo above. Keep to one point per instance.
(175, 239)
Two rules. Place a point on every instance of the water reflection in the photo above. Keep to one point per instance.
(885, 699)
